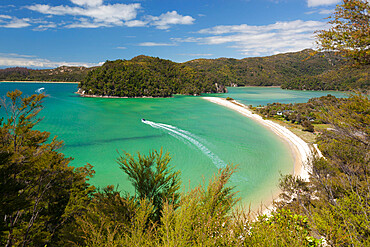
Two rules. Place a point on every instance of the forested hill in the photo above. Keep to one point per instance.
(148, 76)
(63, 73)
(302, 70)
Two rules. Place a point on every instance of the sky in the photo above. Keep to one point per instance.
(48, 34)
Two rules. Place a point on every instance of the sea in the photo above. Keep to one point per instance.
(201, 137)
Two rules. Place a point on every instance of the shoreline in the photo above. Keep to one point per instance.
(114, 97)
(300, 149)
(56, 82)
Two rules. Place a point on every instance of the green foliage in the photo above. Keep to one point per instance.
(282, 228)
(203, 217)
(155, 77)
(40, 192)
(147, 76)
(350, 31)
(336, 200)
(153, 179)
(267, 71)
(300, 113)
(63, 73)
(307, 125)
(113, 220)
(343, 78)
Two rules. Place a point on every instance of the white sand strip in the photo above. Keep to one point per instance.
(302, 150)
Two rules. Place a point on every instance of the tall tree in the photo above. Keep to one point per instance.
(153, 179)
(40, 192)
(336, 200)
(350, 31)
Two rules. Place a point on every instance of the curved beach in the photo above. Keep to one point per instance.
(301, 150)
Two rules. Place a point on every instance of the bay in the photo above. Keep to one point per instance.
(200, 136)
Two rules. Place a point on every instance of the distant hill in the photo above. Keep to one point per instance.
(303, 70)
(149, 76)
(63, 73)
(345, 77)
(268, 71)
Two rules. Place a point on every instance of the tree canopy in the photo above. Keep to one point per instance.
(350, 31)
(40, 192)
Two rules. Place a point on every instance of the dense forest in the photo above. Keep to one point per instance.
(63, 73)
(268, 71)
(148, 76)
(343, 78)
(304, 70)
(46, 202)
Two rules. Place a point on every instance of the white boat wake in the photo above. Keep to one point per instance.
(189, 137)
(40, 90)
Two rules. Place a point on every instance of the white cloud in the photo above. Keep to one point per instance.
(121, 48)
(14, 22)
(87, 23)
(326, 11)
(170, 18)
(155, 44)
(5, 17)
(94, 14)
(297, 26)
(88, 2)
(12, 60)
(196, 54)
(136, 23)
(261, 40)
(100, 15)
(315, 3)
(44, 27)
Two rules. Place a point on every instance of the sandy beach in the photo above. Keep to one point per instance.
(301, 150)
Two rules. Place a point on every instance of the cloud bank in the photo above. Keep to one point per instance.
(13, 22)
(150, 44)
(16, 60)
(315, 3)
(261, 40)
(94, 14)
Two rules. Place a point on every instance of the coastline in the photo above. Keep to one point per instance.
(300, 149)
(112, 97)
(57, 82)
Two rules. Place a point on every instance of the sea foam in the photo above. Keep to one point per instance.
(187, 136)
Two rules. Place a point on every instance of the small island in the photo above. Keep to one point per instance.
(145, 76)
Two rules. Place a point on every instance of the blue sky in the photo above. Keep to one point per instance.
(47, 34)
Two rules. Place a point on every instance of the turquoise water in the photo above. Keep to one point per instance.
(262, 95)
(200, 136)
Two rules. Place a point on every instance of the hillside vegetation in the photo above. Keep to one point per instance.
(63, 73)
(340, 78)
(267, 71)
(148, 76)
(304, 70)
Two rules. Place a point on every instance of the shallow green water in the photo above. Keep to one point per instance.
(262, 95)
(200, 136)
